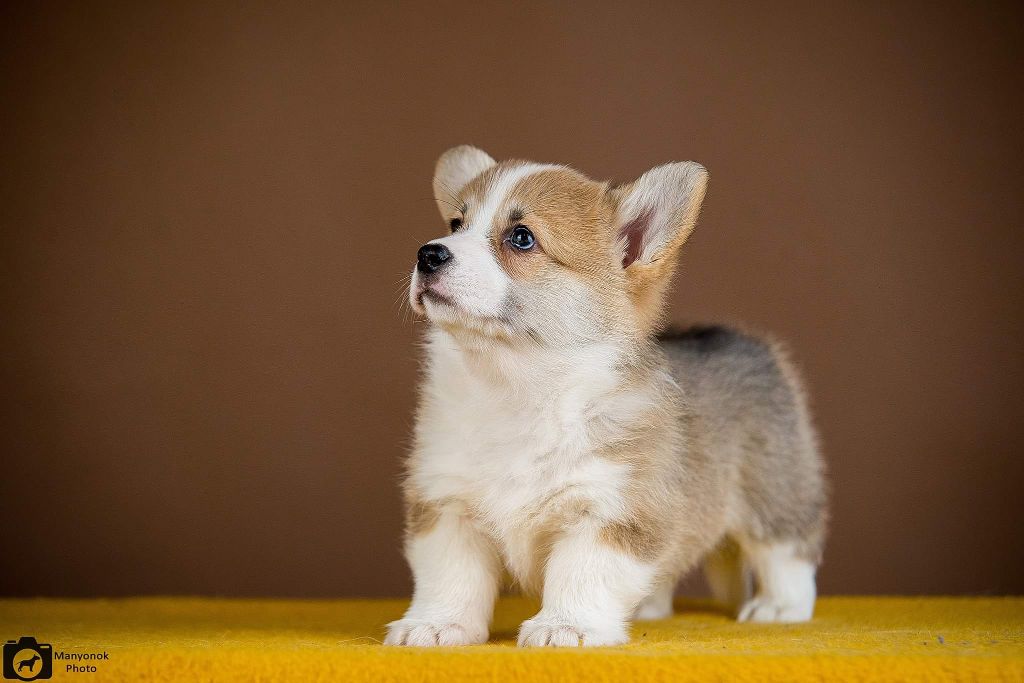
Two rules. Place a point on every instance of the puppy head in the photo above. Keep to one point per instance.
(541, 252)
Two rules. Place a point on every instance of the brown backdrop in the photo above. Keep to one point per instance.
(208, 210)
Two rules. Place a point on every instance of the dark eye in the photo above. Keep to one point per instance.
(455, 223)
(521, 238)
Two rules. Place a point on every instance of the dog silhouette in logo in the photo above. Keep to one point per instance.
(30, 663)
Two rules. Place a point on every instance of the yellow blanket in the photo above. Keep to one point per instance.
(199, 639)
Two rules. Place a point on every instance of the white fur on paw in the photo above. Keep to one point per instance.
(543, 632)
(766, 610)
(424, 633)
(653, 610)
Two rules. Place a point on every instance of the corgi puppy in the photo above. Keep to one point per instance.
(561, 438)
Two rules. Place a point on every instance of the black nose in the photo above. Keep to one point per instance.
(431, 257)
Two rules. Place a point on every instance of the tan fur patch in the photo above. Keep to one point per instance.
(564, 210)
(643, 539)
(420, 516)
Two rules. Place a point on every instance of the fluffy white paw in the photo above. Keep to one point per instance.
(544, 632)
(425, 633)
(652, 611)
(657, 605)
(766, 609)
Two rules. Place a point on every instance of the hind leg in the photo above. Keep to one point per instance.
(785, 583)
(657, 605)
(727, 575)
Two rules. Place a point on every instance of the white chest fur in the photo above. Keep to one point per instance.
(515, 449)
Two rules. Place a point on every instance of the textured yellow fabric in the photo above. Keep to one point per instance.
(190, 639)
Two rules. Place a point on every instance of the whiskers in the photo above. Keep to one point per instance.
(402, 299)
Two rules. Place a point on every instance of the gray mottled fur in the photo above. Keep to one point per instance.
(752, 406)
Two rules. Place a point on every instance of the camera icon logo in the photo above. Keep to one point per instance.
(27, 660)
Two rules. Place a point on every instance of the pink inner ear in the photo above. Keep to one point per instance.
(634, 232)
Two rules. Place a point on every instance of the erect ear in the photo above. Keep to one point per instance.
(454, 169)
(654, 215)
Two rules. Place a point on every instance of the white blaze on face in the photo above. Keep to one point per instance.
(474, 280)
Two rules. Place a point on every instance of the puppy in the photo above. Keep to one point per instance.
(560, 438)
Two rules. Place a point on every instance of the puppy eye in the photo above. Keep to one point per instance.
(455, 224)
(521, 238)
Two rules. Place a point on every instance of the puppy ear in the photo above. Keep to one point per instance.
(654, 215)
(454, 169)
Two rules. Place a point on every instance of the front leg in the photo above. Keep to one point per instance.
(456, 574)
(592, 585)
